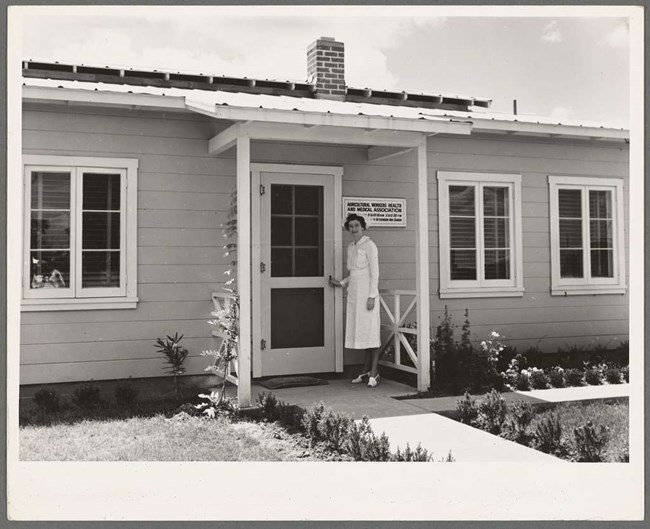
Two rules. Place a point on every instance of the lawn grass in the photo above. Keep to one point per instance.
(613, 414)
(157, 438)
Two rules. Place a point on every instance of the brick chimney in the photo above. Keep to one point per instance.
(326, 68)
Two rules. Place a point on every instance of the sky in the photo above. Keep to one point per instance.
(565, 67)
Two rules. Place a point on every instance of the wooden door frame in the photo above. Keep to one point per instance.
(337, 173)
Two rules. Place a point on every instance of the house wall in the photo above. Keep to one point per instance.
(184, 196)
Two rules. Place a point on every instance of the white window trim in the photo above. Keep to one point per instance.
(587, 285)
(460, 289)
(92, 299)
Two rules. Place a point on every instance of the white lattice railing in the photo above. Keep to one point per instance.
(221, 302)
(397, 306)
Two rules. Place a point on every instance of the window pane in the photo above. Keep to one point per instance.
(601, 233)
(281, 231)
(570, 203)
(462, 233)
(308, 262)
(50, 190)
(297, 317)
(570, 233)
(497, 264)
(50, 229)
(308, 231)
(463, 265)
(602, 263)
(461, 200)
(309, 200)
(495, 201)
(600, 206)
(100, 269)
(495, 233)
(49, 269)
(101, 192)
(101, 231)
(281, 199)
(571, 263)
(281, 262)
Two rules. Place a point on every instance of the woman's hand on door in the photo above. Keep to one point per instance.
(334, 283)
(370, 304)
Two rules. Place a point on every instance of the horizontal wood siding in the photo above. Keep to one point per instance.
(183, 197)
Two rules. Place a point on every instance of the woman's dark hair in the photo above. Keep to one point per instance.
(354, 216)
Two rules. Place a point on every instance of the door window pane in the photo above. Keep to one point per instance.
(296, 231)
(297, 317)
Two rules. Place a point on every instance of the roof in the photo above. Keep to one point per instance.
(168, 79)
(244, 105)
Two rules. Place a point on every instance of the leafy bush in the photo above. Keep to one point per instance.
(612, 375)
(520, 416)
(538, 379)
(86, 396)
(126, 394)
(574, 377)
(333, 428)
(625, 371)
(175, 356)
(522, 380)
(363, 445)
(468, 409)
(590, 442)
(548, 435)
(593, 377)
(215, 404)
(268, 405)
(46, 400)
(492, 413)
(310, 421)
(418, 455)
(556, 377)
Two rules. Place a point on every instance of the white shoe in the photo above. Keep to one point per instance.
(361, 378)
(373, 381)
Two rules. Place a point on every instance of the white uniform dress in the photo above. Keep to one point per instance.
(362, 325)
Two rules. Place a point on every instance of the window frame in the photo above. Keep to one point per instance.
(480, 287)
(587, 284)
(75, 297)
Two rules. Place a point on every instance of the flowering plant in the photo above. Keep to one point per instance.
(492, 347)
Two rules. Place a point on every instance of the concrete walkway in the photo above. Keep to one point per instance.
(421, 420)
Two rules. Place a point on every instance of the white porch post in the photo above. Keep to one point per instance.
(422, 270)
(244, 268)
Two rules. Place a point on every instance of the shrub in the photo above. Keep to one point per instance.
(363, 445)
(46, 400)
(612, 375)
(593, 377)
(126, 394)
(548, 434)
(590, 442)
(86, 396)
(522, 380)
(625, 371)
(175, 356)
(574, 377)
(310, 421)
(492, 413)
(418, 455)
(556, 377)
(333, 428)
(268, 405)
(538, 379)
(519, 419)
(468, 409)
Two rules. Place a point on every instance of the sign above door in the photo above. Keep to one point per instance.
(386, 212)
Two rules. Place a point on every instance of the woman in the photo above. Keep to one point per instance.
(362, 318)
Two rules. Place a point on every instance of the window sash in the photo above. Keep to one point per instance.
(479, 233)
(74, 290)
(587, 278)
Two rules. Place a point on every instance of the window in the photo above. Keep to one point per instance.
(587, 252)
(480, 234)
(80, 233)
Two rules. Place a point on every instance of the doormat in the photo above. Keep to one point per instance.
(291, 382)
